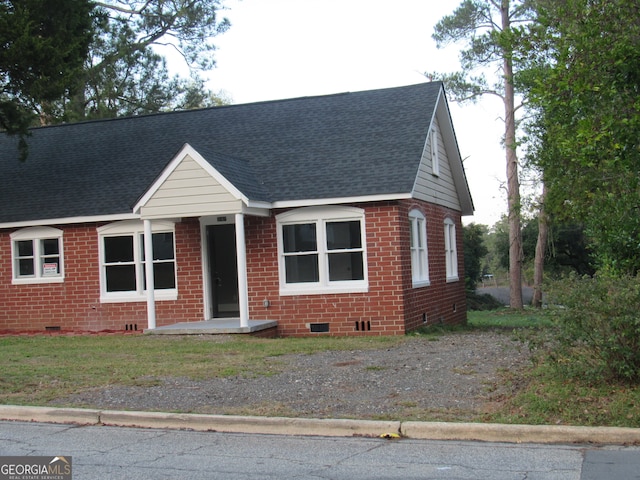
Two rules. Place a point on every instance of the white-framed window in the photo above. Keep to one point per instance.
(450, 250)
(37, 255)
(322, 250)
(419, 251)
(122, 261)
(435, 152)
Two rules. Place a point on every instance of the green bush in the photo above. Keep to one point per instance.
(598, 322)
(482, 301)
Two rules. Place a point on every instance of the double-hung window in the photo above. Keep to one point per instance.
(419, 252)
(451, 253)
(123, 266)
(37, 255)
(322, 250)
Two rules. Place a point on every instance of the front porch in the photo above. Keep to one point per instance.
(218, 326)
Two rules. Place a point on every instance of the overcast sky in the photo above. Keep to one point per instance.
(291, 48)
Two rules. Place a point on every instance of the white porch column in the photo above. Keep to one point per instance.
(148, 262)
(243, 289)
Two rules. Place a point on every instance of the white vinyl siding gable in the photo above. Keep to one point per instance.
(436, 185)
(190, 189)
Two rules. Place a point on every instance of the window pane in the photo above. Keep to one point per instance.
(25, 248)
(25, 267)
(342, 235)
(301, 269)
(162, 246)
(164, 275)
(121, 278)
(118, 249)
(299, 238)
(50, 246)
(345, 266)
(412, 232)
(420, 233)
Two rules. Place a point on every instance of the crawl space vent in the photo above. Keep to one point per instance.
(319, 327)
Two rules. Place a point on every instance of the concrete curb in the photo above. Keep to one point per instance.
(238, 424)
(81, 416)
(492, 432)
(484, 432)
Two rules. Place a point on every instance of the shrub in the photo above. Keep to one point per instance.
(598, 322)
(482, 301)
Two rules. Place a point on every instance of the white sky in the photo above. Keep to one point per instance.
(291, 48)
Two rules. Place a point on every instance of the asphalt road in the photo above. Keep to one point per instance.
(502, 293)
(134, 453)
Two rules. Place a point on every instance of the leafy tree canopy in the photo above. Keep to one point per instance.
(70, 60)
(585, 82)
(125, 74)
(43, 45)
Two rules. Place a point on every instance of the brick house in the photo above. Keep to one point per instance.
(337, 214)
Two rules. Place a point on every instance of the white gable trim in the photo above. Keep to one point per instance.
(188, 151)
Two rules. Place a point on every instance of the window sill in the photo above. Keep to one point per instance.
(165, 295)
(323, 290)
(33, 281)
(420, 283)
(452, 279)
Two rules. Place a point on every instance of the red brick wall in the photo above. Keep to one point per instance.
(75, 303)
(441, 302)
(391, 306)
(384, 309)
(380, 310)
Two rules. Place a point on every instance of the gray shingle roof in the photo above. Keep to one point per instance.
(343, 145)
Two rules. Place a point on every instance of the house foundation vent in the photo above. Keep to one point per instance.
(363, 326)
(52, 329)
(131, 326)
(319, 327)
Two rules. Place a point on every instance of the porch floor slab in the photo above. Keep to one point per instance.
(218, 326)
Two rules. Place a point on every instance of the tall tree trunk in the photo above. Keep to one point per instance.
(513, 182)
(538, 263)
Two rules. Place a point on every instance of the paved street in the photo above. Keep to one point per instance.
(133, 453)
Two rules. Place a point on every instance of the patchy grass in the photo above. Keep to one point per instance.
(37, 369)
(548, 398)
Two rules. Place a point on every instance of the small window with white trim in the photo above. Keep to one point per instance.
(322, 250)
(419, 252)
(123, 266)
(451, 252)
(435, 152)
(37, 255)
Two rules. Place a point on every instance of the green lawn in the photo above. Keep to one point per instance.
(38, 369)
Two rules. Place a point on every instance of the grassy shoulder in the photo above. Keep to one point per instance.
(548, 394)
(39, 369)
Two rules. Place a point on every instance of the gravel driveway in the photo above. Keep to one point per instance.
(456, 376)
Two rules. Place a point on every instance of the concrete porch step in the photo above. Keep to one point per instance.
(218, 326)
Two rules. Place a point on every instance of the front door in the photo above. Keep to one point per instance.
(221, 244)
